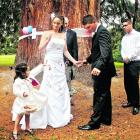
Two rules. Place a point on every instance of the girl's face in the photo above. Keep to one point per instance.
(26, 73)
(56, 24)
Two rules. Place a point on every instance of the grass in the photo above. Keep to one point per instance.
(7, 60)
(118, 64)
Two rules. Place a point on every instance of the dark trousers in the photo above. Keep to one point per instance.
(131, 82)
(102, 104)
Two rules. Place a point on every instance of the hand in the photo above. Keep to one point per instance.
(78, 63)
(95, 72)
(126, 60)
(25, 94)
(85, 62)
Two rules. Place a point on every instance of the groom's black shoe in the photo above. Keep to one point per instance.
(89, 127)
(135, 110)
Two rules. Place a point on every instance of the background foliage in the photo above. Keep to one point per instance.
(10, 17)
(112, 12)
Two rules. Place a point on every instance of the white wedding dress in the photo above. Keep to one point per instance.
(56, 112)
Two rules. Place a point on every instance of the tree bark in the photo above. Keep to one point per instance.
(37, 13)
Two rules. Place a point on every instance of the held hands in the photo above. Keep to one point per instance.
(85, 62)
(95, 71)
(78, 63)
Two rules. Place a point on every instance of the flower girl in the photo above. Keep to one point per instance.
(28, 97)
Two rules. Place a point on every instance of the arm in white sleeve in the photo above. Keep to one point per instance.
(35, 71)
(135, 52)
(18, 88)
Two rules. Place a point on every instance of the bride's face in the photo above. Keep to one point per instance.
(56, 24)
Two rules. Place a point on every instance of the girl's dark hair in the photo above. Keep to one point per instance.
(20, 70)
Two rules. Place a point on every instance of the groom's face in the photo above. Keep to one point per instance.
(90, 27)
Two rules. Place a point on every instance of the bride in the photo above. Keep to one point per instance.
(56, 112)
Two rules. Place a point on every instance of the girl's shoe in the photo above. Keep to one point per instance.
(29, 131)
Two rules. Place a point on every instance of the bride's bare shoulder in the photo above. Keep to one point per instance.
(63, 35)
(47, 33)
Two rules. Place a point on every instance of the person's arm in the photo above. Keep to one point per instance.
(133, 49)
(135, 52)
(19, 89)
(35, 71)
(105, 49)
(67, 55)
(44, 40)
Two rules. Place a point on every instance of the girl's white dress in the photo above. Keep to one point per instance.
(56, 112)
(34, 101)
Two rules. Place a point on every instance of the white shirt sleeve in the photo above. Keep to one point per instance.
(131, 46)
(135, 52)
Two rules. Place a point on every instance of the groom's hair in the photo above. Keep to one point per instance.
(129, 20)
(89, 19)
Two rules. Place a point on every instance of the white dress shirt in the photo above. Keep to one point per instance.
(131, 46)
(97, 27)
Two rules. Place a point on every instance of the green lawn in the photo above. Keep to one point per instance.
(118, 64)
(7, 60)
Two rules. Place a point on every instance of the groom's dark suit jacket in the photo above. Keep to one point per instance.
(101, 58)
(101, 52)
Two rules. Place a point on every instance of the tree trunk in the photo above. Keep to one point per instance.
(37, 14)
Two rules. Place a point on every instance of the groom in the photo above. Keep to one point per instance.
(103, 70)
